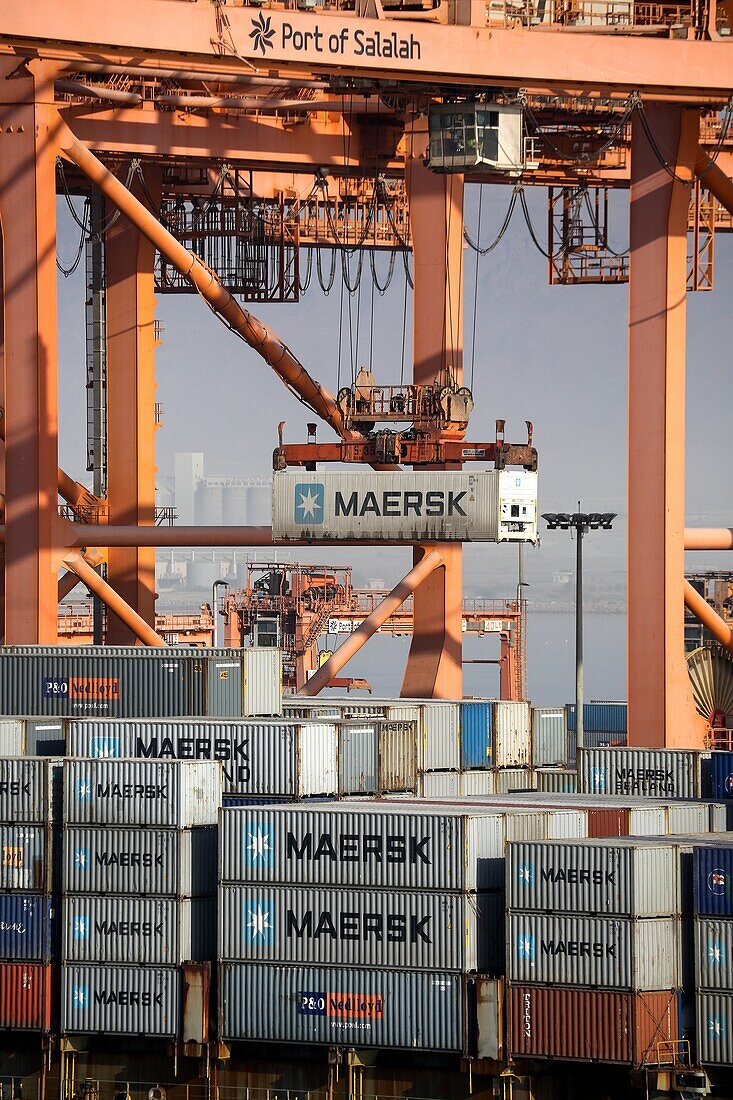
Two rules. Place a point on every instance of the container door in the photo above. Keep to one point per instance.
(476, 735)
(224, 687)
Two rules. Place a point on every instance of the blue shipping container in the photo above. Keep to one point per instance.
(25, 927)
(600, 717)
(721, 775)
(714, 881)
(477, 729)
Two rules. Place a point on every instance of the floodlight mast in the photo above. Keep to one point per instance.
(581, 523)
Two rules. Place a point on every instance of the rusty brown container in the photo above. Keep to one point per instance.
(608, 822)
(589, 1025)
(25, 996)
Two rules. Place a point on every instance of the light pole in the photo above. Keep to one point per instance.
(581, 523)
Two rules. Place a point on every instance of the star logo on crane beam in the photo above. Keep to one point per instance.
(262, 33)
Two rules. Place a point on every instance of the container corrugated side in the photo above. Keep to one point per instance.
(25, 927)
(24, 862)
(24, 790)
(556, 780)
(605, 952)
(351, 927)
(357, 758)
(411, 848)
(685, 818)
(475, 784)
(12, 737)
(397, 754)
(713, 953)
(435, 506)
(317, 760)
(262, 681)
(658, 773)
(135, 930)
(600, 717)
(477, 734)
(715, 1028)
(25, 996)
(597, 878)
(439, 785)
(721, 775)
(512, 734)
(441, 750)
(258, 757)
(713, 876)
(404, 1010)
(549, 736)
(176, 794)
(125, 860)
(120, 1000)
(589, 1025)
(515, 779)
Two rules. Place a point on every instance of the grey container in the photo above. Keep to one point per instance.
(172, 794)
(362, 844)
(602, 952)
(45, 736)
(24, 858)
(556, 780)
(715, 1028)
(594, 876)
(441, 731)
(404, 1010)
(656, 773)
(258, 757)
(121, 1000)
(128, 860)
(713, 953)
(549, 736)
(24, 790)
(137, 931)
(515, 779)
(352, 927)
(358, 758)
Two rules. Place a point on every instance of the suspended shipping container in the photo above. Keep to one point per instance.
(388, 1009)
(590, 1025)
(175, 794)
(152, 862)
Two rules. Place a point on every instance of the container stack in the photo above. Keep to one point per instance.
(138, 891)
(26, 930)
(604, 725)
(713, 877)
(357, 923)
(593, 950)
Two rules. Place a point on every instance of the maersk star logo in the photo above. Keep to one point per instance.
(104, 748)
(716, 1027)
(525, 947)
(716, 953)
(258, 846)
(259, 924)
(309, 503)
(525, 874)
(598, 779)
(80, 996)
(83, 790)
(81, 859)
(262, 33)
(81, 928)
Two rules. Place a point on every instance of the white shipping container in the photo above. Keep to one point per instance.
(12, 737)
(512, 736)
(262, 689)
(174, 793)
(441, 747)
(549, 736)
(442, 506)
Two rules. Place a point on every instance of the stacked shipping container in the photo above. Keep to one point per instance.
(138, 891)
(26, 912)
(713, 939)
(593, 950)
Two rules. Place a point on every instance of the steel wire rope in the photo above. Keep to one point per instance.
(326, 287)
(721, 139)
(632, 104)
(657, 151)
(304, 284)
(602, 235)
(382, 288)
(477, 261)
(346, 268)
(69, 269)
(340, 335)
(525, 211)
(476, 245)
(404, 327)
(67, 196)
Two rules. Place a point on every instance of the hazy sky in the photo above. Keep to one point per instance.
(553, 355)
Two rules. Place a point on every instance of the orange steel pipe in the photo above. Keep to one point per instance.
(67, 583)
(254, 332)
(702, 610)
(715, 179)
(114, 602)
(322, 678)
(708, 538)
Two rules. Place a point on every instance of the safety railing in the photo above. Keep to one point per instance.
(719, 739)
